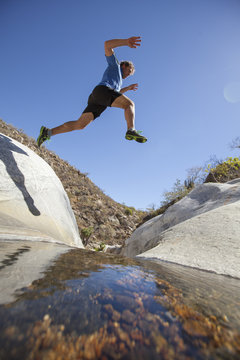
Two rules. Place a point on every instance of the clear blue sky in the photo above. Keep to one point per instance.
(188, 70)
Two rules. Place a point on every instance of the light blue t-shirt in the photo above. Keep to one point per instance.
(112, 76)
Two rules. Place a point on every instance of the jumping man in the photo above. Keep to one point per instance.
(108, 92)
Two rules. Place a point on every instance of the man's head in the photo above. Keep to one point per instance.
(127, 68)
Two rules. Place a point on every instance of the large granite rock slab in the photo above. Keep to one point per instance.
(202, 230)
(33, 202)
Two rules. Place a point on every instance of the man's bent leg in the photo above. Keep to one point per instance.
(81, 123)
(123, 102)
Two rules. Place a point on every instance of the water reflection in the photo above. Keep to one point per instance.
(203, 290)
(13, 257)
(95, 306)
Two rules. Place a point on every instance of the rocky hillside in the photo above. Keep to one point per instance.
(100, 219)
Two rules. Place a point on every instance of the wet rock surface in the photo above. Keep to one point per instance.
(89, 305)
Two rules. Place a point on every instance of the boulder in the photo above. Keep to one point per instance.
(201, 230)
(33, 202)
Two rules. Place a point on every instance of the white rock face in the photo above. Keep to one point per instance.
(33, 202)
(202, 230)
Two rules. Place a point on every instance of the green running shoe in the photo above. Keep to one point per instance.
(43, 136)
(135, 135)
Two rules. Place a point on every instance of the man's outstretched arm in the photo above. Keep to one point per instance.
(133, 42)
(133, 87)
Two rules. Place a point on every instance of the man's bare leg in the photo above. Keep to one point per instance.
(81, 123)
(123, 102)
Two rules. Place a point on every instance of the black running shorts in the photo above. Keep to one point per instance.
(100, 98)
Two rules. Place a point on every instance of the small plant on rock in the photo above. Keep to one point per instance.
(86, 233)
(129, 210)
(101, 247)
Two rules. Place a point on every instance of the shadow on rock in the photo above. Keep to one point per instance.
(6, 155)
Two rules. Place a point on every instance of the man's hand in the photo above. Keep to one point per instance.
(134, 41)
(133, 87)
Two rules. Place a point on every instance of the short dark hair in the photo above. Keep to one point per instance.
(128, 63)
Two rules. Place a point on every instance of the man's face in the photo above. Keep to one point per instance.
(126, 71)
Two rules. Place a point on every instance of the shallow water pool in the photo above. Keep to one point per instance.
(77, 304)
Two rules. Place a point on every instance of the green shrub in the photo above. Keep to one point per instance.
(86, 233)
(224, 171)
(101, 247)
(128, 211)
